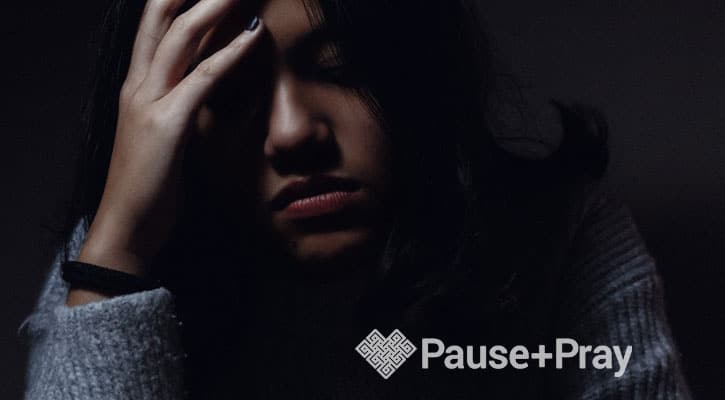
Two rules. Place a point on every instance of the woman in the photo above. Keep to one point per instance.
(327, 169)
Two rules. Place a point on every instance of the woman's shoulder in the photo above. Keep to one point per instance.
(607, 255)
(563, 197)
(609, 290)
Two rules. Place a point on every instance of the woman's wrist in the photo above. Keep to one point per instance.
(111, 243)
(111, 257)
(103, 252)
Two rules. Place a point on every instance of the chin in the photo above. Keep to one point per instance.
(332, 249)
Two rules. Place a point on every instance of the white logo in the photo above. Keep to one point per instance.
(386, 355)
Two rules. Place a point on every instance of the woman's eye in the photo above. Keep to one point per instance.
(326, 65)
(331, 67)
(332, 71)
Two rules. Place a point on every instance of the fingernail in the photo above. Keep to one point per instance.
(253, 24)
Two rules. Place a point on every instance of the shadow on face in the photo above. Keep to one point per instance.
(302, 152)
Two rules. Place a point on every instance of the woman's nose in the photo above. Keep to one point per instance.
(293, 123)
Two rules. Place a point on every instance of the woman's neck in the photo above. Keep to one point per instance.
(307, 299)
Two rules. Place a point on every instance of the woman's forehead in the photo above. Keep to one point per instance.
(286, 22)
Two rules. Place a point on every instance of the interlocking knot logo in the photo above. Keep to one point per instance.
(386, 354)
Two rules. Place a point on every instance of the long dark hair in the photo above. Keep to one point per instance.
(469, 215)
(465, 206)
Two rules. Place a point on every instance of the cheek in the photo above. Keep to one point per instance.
(365, 148)
(366, 154)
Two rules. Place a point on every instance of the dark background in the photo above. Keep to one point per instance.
(656, 68)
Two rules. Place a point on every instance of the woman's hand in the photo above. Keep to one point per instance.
(158, 105)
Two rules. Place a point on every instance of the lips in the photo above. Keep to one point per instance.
(315, 195)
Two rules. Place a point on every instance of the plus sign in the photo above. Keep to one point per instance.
(542, 356)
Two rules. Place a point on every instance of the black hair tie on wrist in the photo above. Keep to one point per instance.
(89, 276)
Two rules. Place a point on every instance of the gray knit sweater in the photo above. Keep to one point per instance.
(129, 347)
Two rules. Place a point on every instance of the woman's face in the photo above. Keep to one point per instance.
(316, 164)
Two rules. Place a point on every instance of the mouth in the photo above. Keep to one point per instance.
(315, 196)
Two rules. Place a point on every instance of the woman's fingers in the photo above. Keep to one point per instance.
(155, 22)
(177, 49)
(191, 92)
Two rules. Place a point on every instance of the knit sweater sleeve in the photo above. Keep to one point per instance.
(127, 347)
(611, 294)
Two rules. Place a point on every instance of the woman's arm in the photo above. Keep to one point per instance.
(85, 344)
(612, 295)
(167, 84)
(127, 347)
